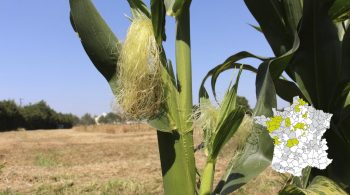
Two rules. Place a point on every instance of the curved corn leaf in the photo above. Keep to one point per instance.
(316, 64)
(229, 63)
(278, 20)
(97, 38)
(319, 185)
(279, 64)
(287, 90)
(139, 8)
(203, 92)
(158, 20)
(340, 10)
(272, 23)
(257, 153)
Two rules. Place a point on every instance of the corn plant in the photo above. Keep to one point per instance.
(310, 41)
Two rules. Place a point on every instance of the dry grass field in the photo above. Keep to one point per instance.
(104, 159)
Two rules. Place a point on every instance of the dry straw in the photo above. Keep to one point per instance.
(140, 91)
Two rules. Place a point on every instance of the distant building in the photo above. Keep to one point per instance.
(97, 118)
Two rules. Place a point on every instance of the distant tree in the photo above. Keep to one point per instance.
(243, 102)
(66, 121)
(75, 119)
(10, 115)
(39, 116)
(87, 119)
(33, 116)
(110, 118)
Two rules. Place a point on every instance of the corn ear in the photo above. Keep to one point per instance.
(98, 40)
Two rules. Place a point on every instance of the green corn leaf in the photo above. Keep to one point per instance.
(339, 151)
(279, 64)
(317, 69)
(258, 28)
(278, 21)
(224, 66)
(338, 138)
(202, 90)
(226, 130)
(168, 121)
(269, 14)
(171, 71)
(265, 91)
(173, 7)
(341, 97)
(178, 4)
(97, 38)
(342, 28)
(139, 8)
(162, 123)
(229, 63)
(229, 102)
(340, 10)
(345, 67)
(303, 180)
(316, 64)
(227, 122)
(287, 90)
(169, 7)
(293, 10)
(257, 152)
(319, 185)
(158, 20)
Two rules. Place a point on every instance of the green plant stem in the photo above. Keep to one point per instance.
(176, 149)
(184, 76)
(207, 178)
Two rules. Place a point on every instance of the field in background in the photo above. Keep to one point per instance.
(104, 159)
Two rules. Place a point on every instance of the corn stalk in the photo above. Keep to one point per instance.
(310, 40)
(175, 134)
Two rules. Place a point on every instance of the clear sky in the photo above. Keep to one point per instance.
(42, 58)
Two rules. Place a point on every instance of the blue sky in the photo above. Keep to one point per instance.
(42, 58)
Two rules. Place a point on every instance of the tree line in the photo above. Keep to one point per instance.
(33, 116)
(41, 116)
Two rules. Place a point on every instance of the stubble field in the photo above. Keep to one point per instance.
(108, 159)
